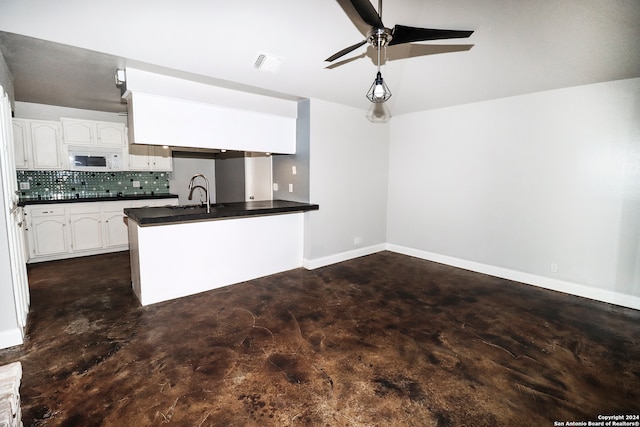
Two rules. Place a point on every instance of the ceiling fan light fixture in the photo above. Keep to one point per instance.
(379, 92)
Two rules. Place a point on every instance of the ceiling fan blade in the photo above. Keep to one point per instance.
(403, 34)
(367, 12)
(345, 51)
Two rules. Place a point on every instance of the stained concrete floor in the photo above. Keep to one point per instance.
(383, 340)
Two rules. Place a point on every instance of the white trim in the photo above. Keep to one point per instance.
(311, 264)
(11, 338)
(576, 289)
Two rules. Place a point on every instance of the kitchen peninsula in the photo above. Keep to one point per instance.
(184, 250)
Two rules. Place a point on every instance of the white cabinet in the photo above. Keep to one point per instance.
(111, 134)
(78, 132)
(65, 230)
(22, 143)
(37, 144)
(93, 133)
(114, 224)
(160, 158)
(85, 222)
(46, 230)
(150, 158)
(45, 145)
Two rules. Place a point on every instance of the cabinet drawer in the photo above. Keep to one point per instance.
(82, 208)
(46, 211)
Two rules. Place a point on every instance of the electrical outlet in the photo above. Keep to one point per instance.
(290, 188)
(357, 240)
(554, 267)
(25, 185)
(294, 170)
(135, 184)
(275, 186)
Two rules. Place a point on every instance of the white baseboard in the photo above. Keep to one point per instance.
(311, 264)
(11, 338)
(602, 295)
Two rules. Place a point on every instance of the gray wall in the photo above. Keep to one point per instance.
(283, 165)
(185, 165)
(348, 179)
(230, 177)
(524, 186)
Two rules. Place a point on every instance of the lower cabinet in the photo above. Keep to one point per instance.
(47, 231)
(115, 229)
(86, 228)
(66, 230)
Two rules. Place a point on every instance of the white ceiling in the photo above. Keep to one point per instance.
(66, 53)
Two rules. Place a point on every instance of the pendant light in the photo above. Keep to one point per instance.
(379, 91)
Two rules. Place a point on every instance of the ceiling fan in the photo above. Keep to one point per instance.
(380, 36)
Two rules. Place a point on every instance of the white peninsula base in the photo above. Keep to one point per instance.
(175, 260)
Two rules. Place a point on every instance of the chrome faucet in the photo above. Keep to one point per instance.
(206, 190)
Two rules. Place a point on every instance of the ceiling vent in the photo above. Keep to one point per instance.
(267, 62)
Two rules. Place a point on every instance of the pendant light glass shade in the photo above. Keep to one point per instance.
(379, 91)
(378, 113)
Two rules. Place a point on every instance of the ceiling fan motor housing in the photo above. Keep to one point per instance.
(379, 37)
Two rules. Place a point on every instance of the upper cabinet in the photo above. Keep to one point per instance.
(42, 144)
(93, 133)
(37, 144)
(149, 158)
(45, 145)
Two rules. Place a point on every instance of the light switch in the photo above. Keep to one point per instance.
(294, 170)
(290, 188)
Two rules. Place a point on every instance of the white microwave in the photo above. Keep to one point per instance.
(95, 159)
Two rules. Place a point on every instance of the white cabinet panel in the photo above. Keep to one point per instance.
(78, 132)
(21, 143)
(115, 228)
(139, 158)
(48, 235)
(111, 134)
(45, 145)
(160, 158)
(86, 231)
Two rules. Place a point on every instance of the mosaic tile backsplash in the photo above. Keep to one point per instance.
(58, 185)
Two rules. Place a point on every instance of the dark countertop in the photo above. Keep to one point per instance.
(177, 214)
(114, 198)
